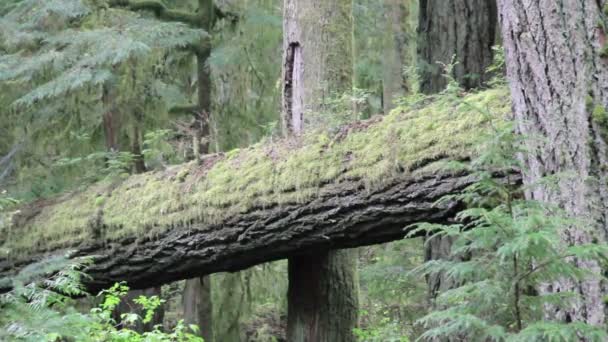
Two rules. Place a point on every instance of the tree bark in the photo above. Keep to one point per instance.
(323, 292)
(343, 215)
(316, 296)
(198, 307)
(558, 78)
(396, 55)
(464, 29)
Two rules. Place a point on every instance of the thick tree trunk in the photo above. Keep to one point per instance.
(323, 292)
(396, 55)
(198, 307)
(318, 62)
(558, 76)
(318, 296)
(343, 215)
(461, 28)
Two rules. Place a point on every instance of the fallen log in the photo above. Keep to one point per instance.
(359, 185)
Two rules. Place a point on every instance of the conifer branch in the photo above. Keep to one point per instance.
(160, 10)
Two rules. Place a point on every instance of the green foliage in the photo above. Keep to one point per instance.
(504, 251)
(391, 298)
(45, 312)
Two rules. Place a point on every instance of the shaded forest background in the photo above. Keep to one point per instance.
(100, 90)
(90, 91)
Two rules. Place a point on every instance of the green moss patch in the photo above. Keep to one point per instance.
(270, 173)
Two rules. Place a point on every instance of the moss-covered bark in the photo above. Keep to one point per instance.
(323, 296)
(261, 203)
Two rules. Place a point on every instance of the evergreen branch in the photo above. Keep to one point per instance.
(160, 10)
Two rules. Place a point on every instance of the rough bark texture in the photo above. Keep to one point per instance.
(316, 296)
(198, 307)
(559, 86)
(317, 43)
(342, 215)
(396, 55)
(462, 28)
(317, 60)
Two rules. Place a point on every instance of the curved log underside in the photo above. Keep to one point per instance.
(368, 199)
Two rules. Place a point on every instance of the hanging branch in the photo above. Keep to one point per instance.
(160, 10)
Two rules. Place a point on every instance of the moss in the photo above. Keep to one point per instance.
(269, 174)
(604, 51)
(600, 116)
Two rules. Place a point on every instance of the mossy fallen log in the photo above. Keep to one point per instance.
(359, 185)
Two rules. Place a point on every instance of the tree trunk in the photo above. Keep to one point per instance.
(198, 307)
(464, 29)
(322, 289)
(396, 54)
(317, 44)
(558, 74)
(139, 165)
(317, 61)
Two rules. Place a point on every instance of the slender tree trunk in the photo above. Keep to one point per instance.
(139, 165)
(317, 45)
(464, 29)
(396, 55)
(558, 76)
(197, 302)
(109, 121)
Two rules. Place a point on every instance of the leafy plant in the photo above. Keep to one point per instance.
(45, 311)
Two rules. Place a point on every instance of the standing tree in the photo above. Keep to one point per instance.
(464, 29)
(317, 52)
(558, 71)
(448, 29)
(396, 51)
(197, 293)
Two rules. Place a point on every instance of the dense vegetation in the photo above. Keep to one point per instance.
(123, 120)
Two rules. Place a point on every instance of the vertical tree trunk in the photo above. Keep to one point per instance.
(198, 308)
(396, 55)
(322, 297)
(461, 28)
(139, 165)
(317, 45)
(466, 30)
(558, 76)
(109, 121)
(197, 302)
